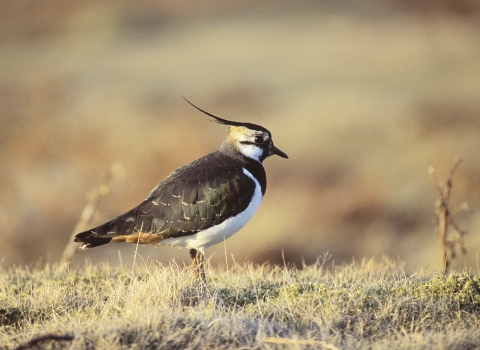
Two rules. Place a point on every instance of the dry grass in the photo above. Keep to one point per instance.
(356, 306)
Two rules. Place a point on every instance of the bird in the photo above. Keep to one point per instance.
(201, 203)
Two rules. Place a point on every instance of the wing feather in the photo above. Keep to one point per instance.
(194, 197)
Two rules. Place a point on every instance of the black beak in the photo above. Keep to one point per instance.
(276, 151)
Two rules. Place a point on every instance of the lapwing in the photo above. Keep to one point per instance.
(199, 204)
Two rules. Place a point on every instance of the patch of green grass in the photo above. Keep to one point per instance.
(356, 306)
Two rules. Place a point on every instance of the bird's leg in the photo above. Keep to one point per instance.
(201, 266)
(198, 264)
(193, 253)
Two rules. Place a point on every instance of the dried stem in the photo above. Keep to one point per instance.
(450, 239)
(35, 342)
(288, 341)
(93, 199)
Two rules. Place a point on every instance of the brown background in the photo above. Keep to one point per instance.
(363, 98)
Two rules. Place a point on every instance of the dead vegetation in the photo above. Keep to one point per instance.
(90, 211)
(36, 342)
(449, 233)
(355, 306)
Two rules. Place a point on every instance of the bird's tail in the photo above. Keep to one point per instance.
(97, 236)
(91, 239)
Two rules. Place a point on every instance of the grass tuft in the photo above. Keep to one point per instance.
(360, 305)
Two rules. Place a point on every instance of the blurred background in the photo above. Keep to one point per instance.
(362, 96)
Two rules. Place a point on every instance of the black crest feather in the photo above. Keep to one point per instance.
(229, 122)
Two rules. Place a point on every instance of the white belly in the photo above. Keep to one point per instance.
(219, 233)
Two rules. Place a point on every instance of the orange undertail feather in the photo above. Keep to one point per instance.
(140, 238)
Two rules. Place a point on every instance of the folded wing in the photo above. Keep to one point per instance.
(194, 197)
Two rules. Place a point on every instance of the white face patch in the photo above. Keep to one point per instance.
(250, 151)
(219, 233)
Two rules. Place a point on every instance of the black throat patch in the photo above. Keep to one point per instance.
(257, 170)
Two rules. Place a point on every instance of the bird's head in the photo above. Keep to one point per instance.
(252, 140)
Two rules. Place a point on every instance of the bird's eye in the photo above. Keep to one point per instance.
(258, 139)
